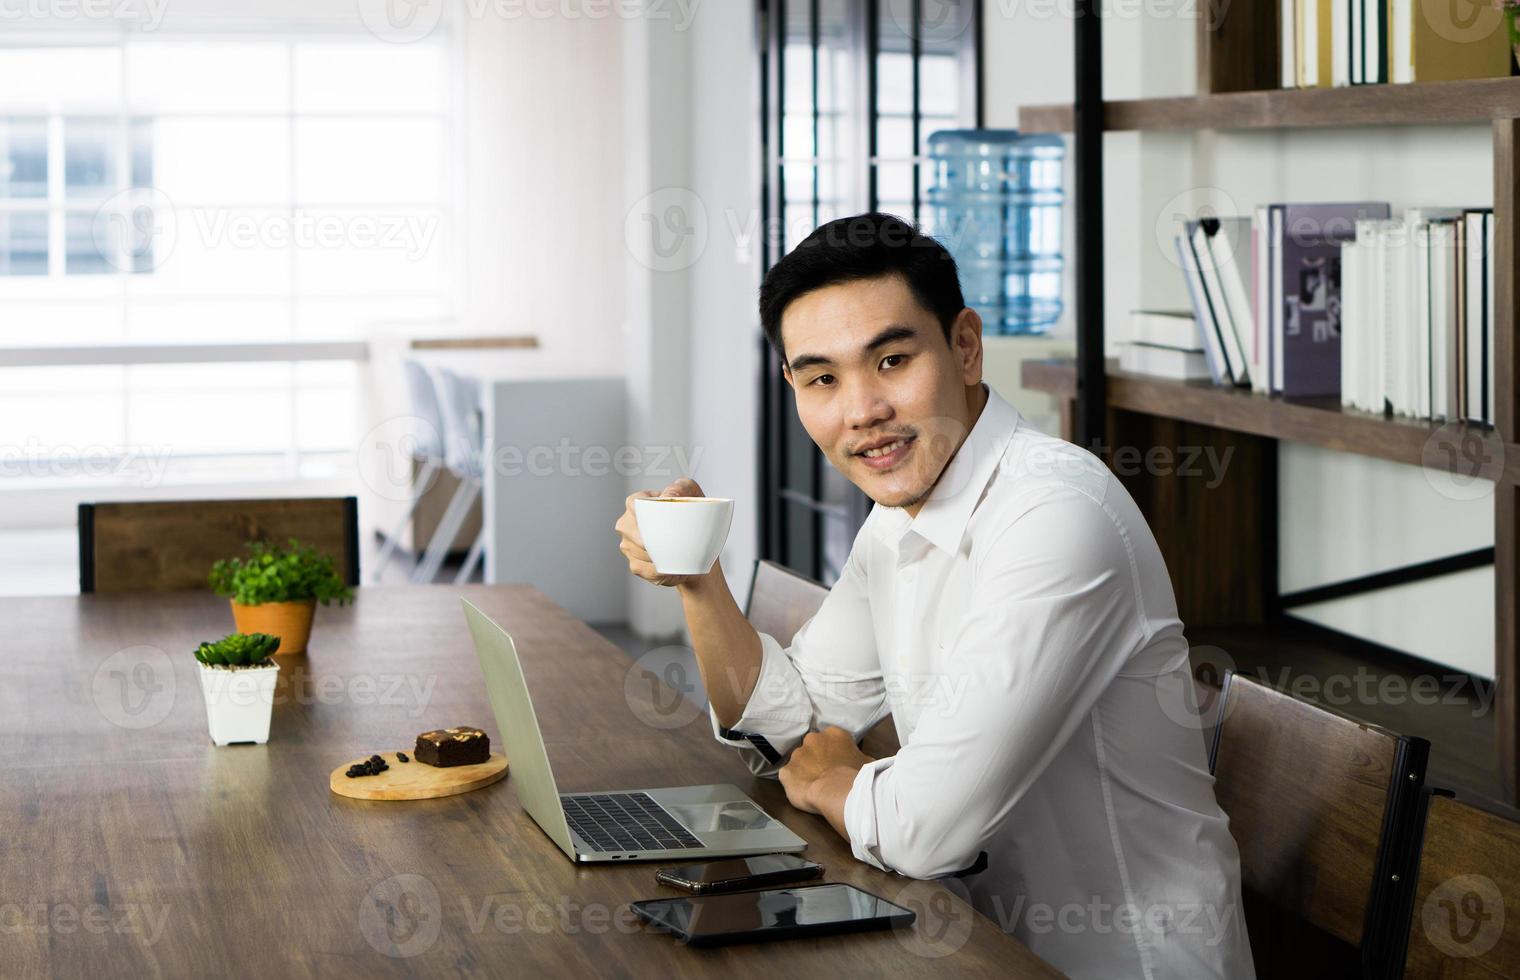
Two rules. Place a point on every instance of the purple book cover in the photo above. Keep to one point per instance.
(1310, 254)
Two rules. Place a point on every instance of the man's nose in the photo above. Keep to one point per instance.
(867, 407)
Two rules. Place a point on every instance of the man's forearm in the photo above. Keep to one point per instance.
(727, 646)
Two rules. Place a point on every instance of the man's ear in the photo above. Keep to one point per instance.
(786, 372)
(966, 342)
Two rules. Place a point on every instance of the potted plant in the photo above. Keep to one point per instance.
(276, 590)
(237, 678)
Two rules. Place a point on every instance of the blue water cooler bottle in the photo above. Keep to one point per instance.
(996, 202)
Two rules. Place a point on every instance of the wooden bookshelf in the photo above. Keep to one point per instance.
(1471, 101)
(1319, 422)
(1220, 542)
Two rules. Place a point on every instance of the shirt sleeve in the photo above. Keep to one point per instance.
(830, 675)
(1054, 613)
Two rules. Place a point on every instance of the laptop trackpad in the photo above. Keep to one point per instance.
(737, 815)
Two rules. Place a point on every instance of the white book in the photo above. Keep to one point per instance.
(1340, 39)
(1475, 310)
(1229, 247)
(1209, 272)
(1206, 332)
(1372, 68)
(1288, 44)
(1442, 242)
(1262, 297)
(1402, 41)
(1369, 392)
(1489, 322)
(1275, 297)
(1164, 362)
(1377, 311)
(1420, 320)
(1177, 329)
(1309, 49)
(1350, 326)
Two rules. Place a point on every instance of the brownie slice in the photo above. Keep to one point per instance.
(446, 747)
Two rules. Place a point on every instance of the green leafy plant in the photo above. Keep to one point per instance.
(274, 574)
(238, 650)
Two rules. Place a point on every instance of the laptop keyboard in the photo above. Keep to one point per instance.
(625, 822)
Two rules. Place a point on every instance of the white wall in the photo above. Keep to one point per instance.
(1341, 515)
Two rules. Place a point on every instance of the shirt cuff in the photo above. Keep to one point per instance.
(860, 813)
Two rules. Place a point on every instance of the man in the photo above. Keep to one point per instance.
(1006, 604)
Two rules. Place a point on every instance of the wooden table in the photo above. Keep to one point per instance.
(129, 845)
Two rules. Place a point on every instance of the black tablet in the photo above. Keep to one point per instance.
(779, 913)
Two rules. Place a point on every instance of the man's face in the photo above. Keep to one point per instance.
(878, 388)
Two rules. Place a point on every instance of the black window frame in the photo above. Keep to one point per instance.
(794, 477)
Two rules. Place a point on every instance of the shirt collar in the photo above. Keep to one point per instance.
(943, 519)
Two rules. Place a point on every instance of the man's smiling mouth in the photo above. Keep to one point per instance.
(886, 454)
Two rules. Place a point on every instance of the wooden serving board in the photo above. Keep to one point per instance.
(416, 780)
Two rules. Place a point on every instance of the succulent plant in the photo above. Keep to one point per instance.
(274, 574)
(238, 650)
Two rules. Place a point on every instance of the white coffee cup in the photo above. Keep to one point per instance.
(683, 535)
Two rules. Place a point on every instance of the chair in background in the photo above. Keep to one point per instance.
(428, 441)
(1465, 918)
(464, 456)
(780, 603)
(167, 545)
(1325, 812)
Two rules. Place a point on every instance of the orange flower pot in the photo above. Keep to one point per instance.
(290, 621)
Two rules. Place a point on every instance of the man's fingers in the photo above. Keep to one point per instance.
(684, 487)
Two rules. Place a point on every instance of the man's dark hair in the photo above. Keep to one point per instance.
(863, 246)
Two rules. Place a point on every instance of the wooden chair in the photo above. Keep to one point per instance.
(168, 545)
(780, 602)
(1466, 910)
(1325, 813)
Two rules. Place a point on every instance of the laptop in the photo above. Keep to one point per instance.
(616, 825)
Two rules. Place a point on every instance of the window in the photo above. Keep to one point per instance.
(852, 91)
(211, 189)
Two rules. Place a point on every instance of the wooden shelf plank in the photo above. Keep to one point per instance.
(1316, 422)
(1471, 100)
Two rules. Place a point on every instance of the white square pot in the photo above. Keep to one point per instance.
(238, 702)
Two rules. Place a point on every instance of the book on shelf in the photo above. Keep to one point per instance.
(1417, 320)
(1304, 293)
(1177, 329)
(1368, 42)
(1202, 310)
(1164, 362)
(1214, 245)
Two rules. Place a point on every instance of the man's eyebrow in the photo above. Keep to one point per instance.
(890, 335)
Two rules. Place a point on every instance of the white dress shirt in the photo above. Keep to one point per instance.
(1022, 633)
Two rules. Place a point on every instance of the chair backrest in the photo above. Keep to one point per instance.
(423, 394)
(463, 424)
(780, 602)
(1324, 811)
(1466, 916)
(168, 545)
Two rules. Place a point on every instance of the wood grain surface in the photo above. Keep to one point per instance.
(415, 780)
(129, 846)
